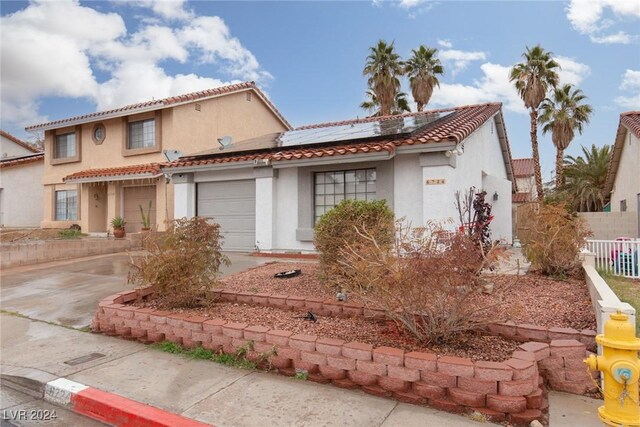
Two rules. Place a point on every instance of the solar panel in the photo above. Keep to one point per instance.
(378, 128)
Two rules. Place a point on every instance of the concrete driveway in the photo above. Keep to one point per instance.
(67, 292)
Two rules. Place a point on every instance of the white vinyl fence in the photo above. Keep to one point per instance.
(619, 257)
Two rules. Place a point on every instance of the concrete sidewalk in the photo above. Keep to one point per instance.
(220, 395)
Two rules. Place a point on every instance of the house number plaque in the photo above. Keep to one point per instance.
(436, 181)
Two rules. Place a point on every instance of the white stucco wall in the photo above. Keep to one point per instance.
(9, 148)
(286, 212)
(21, 194)
(407, 188)
(627, 183)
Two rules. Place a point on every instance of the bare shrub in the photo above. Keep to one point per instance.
(422, 282)
(182, 264)
(337, 229)
(553, 239)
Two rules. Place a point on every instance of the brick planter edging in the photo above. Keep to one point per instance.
(511, 391)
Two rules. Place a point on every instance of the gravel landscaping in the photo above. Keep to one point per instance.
(529, 299)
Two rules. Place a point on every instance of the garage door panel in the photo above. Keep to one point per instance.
(232, 204)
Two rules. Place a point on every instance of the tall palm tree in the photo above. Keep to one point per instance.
(562, 115)
(422, 69)
(585, 178)
(383, 67)
(400, 104)
(533, 78)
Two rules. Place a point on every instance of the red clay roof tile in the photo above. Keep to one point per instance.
(164, 103)
(522, 167)
(454, 128)
(521, 197)
(631, 120)
(5, 163)
(150, 169)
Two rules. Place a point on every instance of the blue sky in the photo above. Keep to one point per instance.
(64, 58)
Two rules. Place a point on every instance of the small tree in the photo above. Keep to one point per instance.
(338, 229)
(182, 266)
(553, 240)
(422, 285)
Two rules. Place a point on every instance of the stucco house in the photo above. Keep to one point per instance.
(623, 177)
(21, 168)
(107, 164)
(268, 192)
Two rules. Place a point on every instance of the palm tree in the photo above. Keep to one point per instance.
(585, 178)
(422, 69)
(383, 67)
(400, 104)
(533, 78)
(562, 115)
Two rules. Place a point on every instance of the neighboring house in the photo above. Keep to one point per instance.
(20, 182)
(623, 178)
(526, 186)
(268, 192)
(107, 164)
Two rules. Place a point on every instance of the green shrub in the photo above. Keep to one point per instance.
(553, 239)
(69, 234)
(182, 265)
(339, 228)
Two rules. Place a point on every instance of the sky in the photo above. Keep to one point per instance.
(62, 58)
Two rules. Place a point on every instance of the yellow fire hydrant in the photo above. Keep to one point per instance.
(621, 367)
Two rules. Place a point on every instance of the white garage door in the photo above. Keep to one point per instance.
(134, 197)
(232, 204)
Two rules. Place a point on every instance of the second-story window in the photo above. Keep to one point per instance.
(65, 146)
(142, 134)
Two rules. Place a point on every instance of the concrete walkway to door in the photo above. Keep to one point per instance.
(67, 292)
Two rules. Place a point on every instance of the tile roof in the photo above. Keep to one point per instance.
(454, 127)
(20, 142)
(522, 167)
(521, 197)
(162, 103)
(15, 161)
(629, 121)
(146, 170)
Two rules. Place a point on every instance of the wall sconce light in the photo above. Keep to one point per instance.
(96, 197)
(495, 196)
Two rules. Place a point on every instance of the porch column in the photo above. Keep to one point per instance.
(114, 208)
(265, 195)
(184, 196)
(83, 209)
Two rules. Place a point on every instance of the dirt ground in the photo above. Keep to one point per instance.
(14, 235)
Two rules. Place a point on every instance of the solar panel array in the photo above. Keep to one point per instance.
(378, 128)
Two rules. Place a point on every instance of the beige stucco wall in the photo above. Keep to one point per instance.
(526, 184)
(21, 193)
(182, 128)
(610, 225)
(627, 183)
(9, 148)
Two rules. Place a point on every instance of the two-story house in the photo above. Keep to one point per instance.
(107, 164)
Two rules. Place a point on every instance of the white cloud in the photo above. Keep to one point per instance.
(459, 60)
(620, 37)
(446, 43)
(631, 85)
(51, 49)
(408, 4)
(572, 72)
(168, 9)
(493, 86)
(587, 17)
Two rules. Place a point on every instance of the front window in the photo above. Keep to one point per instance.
(65, 146)
(66, 205)
(142, 134)
(333, 187)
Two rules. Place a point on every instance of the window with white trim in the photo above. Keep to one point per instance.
(330, 188)
(142, 134)
(66, 205)
(65, 146)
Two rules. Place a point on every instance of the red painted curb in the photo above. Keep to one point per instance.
(120, 411)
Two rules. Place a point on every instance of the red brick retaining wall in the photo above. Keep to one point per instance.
(512, 390)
